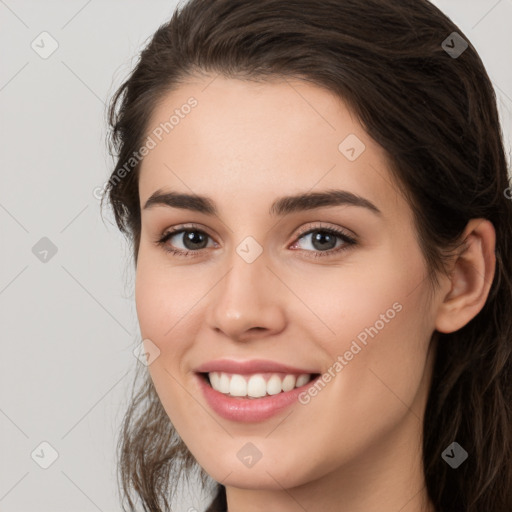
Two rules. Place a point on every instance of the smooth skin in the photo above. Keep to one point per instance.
(356, 446)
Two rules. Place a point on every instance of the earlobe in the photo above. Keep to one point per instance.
(471, 277)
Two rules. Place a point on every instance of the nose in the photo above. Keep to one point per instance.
(247, 302)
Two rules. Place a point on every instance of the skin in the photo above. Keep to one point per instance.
(358, 441)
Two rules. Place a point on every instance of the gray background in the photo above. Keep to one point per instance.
(69, 323)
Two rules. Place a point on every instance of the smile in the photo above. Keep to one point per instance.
(235, 402)
(257, 385)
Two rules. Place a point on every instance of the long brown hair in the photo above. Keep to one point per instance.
(435, 114)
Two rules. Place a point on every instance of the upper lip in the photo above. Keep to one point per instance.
(248, 367)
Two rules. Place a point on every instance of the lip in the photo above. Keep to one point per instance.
(251, 366)
(249, 410)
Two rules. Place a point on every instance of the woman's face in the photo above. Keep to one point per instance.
(265, 280)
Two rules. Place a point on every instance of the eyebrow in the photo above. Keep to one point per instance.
(280, 207)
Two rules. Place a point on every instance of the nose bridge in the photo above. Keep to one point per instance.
(245, 297)
(247, 263)
(242, 285)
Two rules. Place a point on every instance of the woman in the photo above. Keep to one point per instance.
(315, 194)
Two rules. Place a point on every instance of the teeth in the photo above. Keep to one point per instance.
(301, 380)
(256, 386)
(223, 383)
(288, 382)
(274, 385)
(238, 386)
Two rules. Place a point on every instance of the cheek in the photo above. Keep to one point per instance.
(358, 302)
(163, 319)
(148, 301)
(378, 352)
(383, 356)
(159, 299)
(165, 300)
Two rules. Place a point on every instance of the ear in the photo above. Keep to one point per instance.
(471, 277)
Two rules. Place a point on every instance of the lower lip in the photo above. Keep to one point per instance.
(247, 409)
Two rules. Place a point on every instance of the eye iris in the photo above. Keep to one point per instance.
(195, 237)
(320, 236)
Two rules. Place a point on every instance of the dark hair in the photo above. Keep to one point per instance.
(435, 115)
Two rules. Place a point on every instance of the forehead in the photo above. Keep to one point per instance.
(251, 139)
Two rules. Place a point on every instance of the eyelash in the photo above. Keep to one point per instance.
(349, 241)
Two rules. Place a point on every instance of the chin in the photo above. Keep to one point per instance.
(263, 475)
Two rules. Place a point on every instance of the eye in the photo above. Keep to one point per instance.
(192, 237)
(324, 241)
(195, 240)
